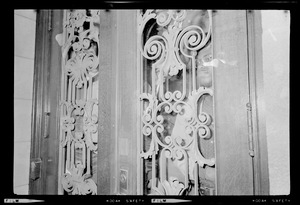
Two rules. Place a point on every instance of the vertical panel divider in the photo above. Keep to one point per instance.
(234, 164)
(139, 114)
(61, 154)
(255, 71)
(106, 138)
(214, 111)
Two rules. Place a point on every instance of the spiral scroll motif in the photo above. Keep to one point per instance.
(171, 51)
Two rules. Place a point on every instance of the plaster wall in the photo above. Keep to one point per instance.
(276, 44)
(24, 43)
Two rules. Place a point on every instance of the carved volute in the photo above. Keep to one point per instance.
(177, 98)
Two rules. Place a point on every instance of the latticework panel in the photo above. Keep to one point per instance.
(177, 100)
(79, 101)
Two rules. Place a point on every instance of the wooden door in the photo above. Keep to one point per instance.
(118, 165)
(242, 167)
(240, 150)
(234, 164)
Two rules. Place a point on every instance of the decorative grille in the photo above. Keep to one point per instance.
(177, 100)
(79, 101)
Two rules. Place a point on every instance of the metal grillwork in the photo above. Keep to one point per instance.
(177, 99)
(79, 101)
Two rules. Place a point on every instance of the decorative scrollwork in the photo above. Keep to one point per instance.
(77, 184)
(170, 187)
(173, 118)
(81, 48)
(79, 115)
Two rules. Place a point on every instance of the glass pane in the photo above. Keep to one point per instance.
(177, 101)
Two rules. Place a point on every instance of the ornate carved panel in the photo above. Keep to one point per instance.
(178, 149)
(79, 101)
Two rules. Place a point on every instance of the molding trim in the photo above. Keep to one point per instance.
(41, 62)
(260, 161)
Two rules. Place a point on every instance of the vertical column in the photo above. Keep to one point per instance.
(107, 88)
(126, 103)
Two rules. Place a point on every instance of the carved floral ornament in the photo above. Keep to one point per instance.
(172, 51)
(79, 121)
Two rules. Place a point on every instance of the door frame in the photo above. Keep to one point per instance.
(256, 92)
(234, 165)
(106, 182)
(49, 23)
(118, 61)
(44, 149)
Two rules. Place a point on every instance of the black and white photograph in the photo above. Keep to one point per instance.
(169, 104)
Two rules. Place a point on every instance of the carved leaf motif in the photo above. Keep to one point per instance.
(159, 190)
(81, 45)
(170, 187)
(78, 122)
(173, 186)
(75, 183)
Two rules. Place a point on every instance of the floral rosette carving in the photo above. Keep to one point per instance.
(81, 48)
(79, 120)
(76, 183)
